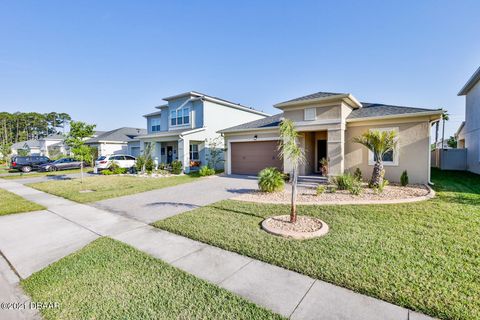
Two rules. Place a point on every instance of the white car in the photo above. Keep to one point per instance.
(122, 160)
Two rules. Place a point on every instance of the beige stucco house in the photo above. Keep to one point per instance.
(468, 135)
(328, 122)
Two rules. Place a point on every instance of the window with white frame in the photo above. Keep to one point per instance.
(194, 155)
(155, 124)
(390, 158)
(180, 117)
(310, 114)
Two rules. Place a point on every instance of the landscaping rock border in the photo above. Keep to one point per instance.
(298, 235)
(429, 195)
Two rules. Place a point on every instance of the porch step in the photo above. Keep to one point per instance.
(311, 181)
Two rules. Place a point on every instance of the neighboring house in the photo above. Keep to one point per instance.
(50, 145)
(182, 128)
(327, 123)
(469, 131)
(116, 141)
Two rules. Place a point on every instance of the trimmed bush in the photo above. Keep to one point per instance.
(206, 171)
(177, 167)
(404, 178)
(358, 174)
(270, 180)
(344, 181)
(320, 189)
(356, 187)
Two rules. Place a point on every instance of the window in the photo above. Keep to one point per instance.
(155, 124)
(390, 158)
(180, 117)
(310, 114)
(194, 152)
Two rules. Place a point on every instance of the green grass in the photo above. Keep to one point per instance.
(11, 203)
(105, 187)
(111, 280)
(424, 256)
(35, 174)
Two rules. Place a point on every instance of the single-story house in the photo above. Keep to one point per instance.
(468, 134)
(116, 141)
(183, 128)
(48, 146)
(328, 123)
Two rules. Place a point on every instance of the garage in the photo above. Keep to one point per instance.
(253, 156)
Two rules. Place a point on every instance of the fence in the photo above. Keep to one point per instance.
(449, 159)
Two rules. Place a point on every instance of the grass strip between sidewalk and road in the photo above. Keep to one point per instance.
(105, 187)
(111, 280)
(12, 203)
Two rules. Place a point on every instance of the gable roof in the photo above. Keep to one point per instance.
(312, 96)
(32, 143)
(375, 110)
(203, 96)
(123, 134)
(470, 83)
(321, 97)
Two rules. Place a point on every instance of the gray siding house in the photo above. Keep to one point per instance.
(182, 128)
(468, 134)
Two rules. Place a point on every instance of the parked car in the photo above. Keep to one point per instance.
(62, 164)
(122, 160)
(28, 163)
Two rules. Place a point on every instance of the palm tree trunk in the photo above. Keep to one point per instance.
(436, 134)
(293, 211)
(377, 175)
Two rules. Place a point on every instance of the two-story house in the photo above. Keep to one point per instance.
(468, 135)
(328, 123)
(183, 128)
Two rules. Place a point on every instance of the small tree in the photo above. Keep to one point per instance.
(215, 151)
(290, 150)
(445, 117)
(452, 142)
(380, 143)
(146, 156)
(79, 132)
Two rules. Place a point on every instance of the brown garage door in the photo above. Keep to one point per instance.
(251, 157)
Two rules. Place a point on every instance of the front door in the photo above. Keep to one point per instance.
(169, 154)
(321, 152)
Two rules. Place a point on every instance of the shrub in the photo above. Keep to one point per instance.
(320, 189)
(140, 162)
(344, 181)
(106, 172)
(404, 178)
(332, 189)
(380, 188)
(270, 180)
(115, 169)
(149, 164)
(356, 187)
(206, 171)
(177, 167)
(358, 174)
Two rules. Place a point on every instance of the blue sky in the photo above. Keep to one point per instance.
(109, 62)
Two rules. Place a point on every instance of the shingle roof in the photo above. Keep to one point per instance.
(33, 143)
(123, 134)
(268, 122)
(316, 95)
(54, 136)
(379, 109)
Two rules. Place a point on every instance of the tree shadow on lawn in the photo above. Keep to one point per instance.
(457, 186)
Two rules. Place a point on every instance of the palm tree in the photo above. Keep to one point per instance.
(290, 150)
(380, 143)
(445, 117)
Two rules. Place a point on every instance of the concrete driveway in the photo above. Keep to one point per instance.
(159, 204)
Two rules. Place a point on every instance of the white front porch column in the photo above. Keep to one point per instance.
(336, 151)
(184, 154)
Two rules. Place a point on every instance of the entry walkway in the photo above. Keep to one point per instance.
(46, 236)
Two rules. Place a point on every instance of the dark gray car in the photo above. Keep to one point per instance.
(61, 164)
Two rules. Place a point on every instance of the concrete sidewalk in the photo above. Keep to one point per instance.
(285, 292)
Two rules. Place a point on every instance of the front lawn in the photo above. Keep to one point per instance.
(36, 174)
(104, 187)
(424, 256)
(11, 203)
(111, 280)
